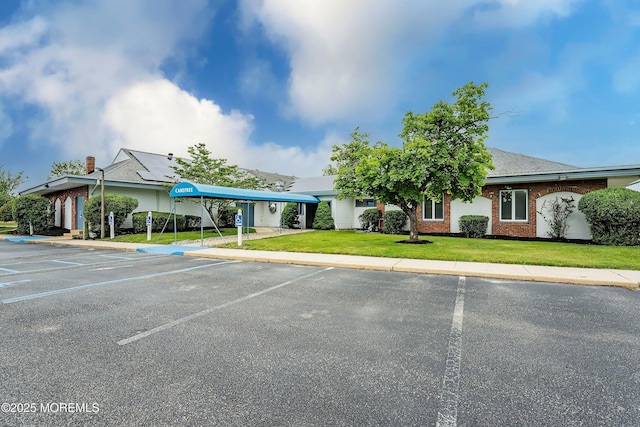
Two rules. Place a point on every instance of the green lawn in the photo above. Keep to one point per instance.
(167, 237)
(455, 249)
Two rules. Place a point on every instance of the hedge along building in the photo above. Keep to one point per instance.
(512, 197)
(147, 177)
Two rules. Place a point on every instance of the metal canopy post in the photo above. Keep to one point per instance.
(175, 221)
(201, 221)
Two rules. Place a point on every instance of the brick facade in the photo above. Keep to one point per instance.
(435, 225)
(536, 190)
(510, 228)
(73, 193)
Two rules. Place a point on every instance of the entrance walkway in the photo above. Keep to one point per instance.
(261, 233)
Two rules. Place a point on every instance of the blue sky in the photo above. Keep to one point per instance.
(273, 84)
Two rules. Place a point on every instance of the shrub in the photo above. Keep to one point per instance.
(473, 225)
(369, 219)
(394, 222)
(192, 222)
(158, 220)
(31, 212)
(227, 216)
(6, 211)
(290, 215)
(613, 215)
(323, 219)
(121, 206)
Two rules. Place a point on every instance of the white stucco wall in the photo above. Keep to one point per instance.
(634, 186)
(478, 206)
(342, 211)
(264, 217)
(578, 226)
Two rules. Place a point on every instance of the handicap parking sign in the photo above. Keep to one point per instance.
(238, 220)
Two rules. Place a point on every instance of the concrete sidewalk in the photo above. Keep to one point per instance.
(629, 279)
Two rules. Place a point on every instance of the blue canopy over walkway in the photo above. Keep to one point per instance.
(189, 189)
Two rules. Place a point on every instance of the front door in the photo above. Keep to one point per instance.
(79, 214)
(247, 214)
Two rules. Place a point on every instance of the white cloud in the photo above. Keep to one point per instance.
(70, 60)
(348, 58)
(157, 115)
(99, 86)
(160, 117)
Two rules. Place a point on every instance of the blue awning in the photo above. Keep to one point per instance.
(189, 189)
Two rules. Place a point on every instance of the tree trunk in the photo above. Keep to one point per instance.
(412, 213)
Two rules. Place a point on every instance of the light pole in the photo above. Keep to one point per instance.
(101, 204)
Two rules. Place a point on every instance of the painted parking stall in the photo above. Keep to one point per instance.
(166, 340)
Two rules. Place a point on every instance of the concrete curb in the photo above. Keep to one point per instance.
(628, 279)
(575, 276)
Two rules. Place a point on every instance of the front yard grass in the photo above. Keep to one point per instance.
(7, 226)
(455, 249)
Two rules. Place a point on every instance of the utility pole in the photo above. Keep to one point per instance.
(101, 204)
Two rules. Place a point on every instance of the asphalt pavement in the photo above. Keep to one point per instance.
(94, 336)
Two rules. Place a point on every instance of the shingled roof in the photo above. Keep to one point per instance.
(151, 168)
(140, 167)
(508, 163)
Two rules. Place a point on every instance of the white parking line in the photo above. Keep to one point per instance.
(73, 264)
(66, 262)
(109, 282)
(111, 268)
(448, 408)
(6, 284)
(218, 307)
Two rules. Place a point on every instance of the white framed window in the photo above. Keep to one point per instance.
(432, 210)
(514, 205)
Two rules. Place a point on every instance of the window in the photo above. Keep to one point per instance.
(514, 205)
(365, 203)
(432, 210)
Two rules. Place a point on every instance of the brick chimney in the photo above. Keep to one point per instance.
(91, 164)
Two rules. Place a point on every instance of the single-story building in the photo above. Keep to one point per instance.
(512, 197)
(147, 177)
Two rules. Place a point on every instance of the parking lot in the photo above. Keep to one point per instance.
(97, 337)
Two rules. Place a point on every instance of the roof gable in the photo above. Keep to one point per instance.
(508, 163)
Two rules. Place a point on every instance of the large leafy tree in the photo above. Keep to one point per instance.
(202, 168)
(10, 181)
(70, 167)
(443, 151)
